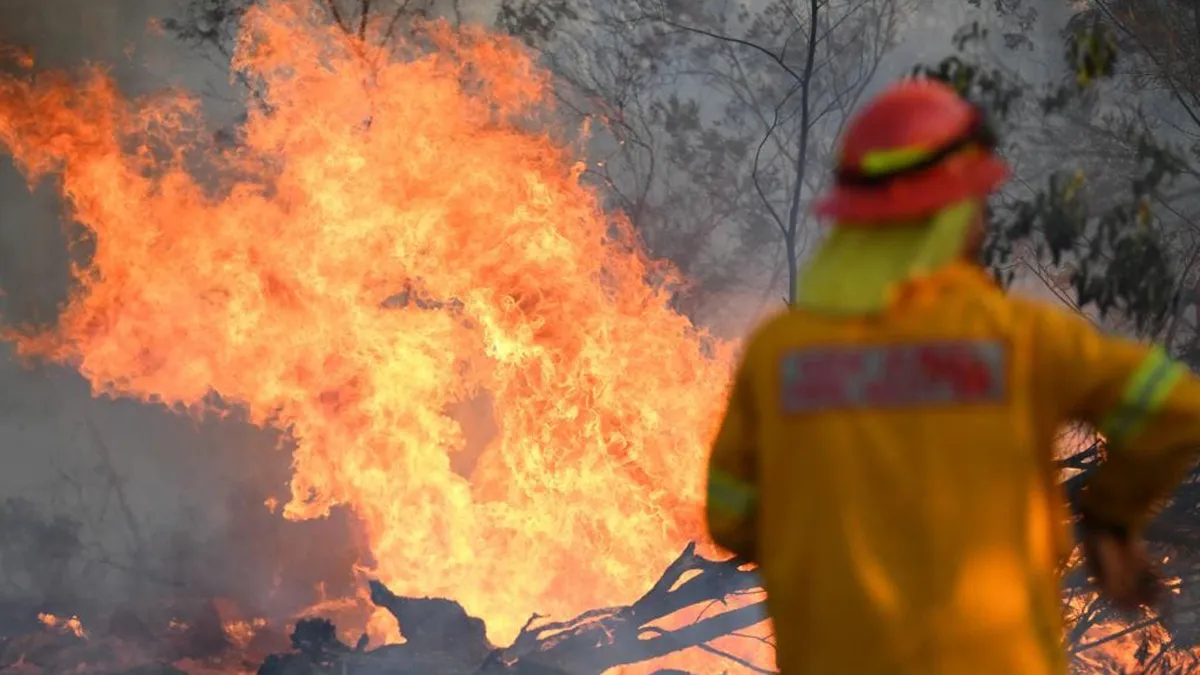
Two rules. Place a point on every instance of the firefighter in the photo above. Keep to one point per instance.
(887, 454)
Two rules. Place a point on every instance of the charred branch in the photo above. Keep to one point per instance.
(441, 636)
(601, 639)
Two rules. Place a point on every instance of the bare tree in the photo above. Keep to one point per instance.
(718, 120)
(791, 74)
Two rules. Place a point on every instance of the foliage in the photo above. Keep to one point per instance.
(535, 21)
(207, 21)
(1116, 259)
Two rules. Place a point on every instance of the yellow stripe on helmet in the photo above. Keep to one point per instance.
(888, 161)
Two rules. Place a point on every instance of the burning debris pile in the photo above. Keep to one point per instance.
(122, 641)
(1102, 640)
(441, 637)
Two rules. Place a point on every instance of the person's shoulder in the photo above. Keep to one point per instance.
(770, 328)
(778, 330)
(1025, 306)
(1049, 315)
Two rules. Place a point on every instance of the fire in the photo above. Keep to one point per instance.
(69, 625)
(399, 234)
(241, 631)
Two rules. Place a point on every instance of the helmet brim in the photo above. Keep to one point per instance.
(913, 197)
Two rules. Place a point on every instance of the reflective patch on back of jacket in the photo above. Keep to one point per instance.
(894, 375)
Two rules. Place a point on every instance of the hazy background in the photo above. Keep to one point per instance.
(194, 488)
(171, 463)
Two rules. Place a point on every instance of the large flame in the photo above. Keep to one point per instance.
(397, 233)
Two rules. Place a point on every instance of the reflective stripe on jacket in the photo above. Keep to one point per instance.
(894, 476)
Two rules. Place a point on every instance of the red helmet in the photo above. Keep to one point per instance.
(916, 148)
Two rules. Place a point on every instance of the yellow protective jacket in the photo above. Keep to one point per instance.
(894, 477)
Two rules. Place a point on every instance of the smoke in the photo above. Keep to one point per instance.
(165, 504)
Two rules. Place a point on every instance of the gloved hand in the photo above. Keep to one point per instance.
(1122, 569)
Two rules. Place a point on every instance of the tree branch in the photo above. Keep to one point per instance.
(776, 58)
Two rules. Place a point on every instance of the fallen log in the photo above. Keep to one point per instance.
(442, 639)
(601, 639)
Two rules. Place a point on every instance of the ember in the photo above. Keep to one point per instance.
(352, 282)
(71, 625)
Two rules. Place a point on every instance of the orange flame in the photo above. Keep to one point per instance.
(396, 235)
(240, 632)
(69, 625)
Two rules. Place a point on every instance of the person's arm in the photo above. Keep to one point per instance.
(1153, 437)
(1146, 406)
(732, 474)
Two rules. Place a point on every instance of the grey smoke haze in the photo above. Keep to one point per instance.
(177, 471)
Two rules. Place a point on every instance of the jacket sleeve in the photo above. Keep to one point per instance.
(732, 473)
(1145, 405)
